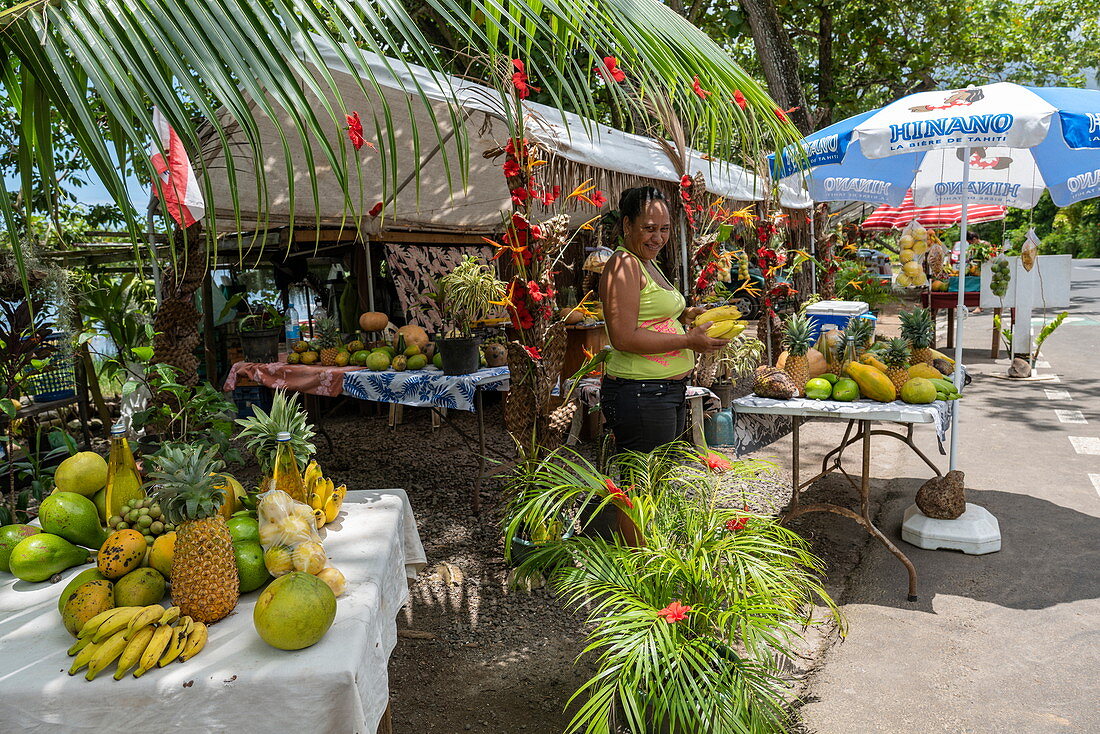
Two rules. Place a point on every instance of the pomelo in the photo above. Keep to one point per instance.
(378, 361)
(918, 391)
(294, 611)
(84, 473)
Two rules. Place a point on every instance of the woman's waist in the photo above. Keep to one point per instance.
(675, 380)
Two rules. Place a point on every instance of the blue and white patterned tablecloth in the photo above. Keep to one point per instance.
(425, 388)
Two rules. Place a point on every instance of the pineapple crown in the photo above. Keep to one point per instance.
(896, 353)
(330, 332)
(917, 328)
(262, 430)
(863, 331)
(186, 482)
(796, 336)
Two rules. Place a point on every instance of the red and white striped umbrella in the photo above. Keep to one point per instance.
(936, 217)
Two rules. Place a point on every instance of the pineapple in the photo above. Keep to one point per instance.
(863, 331)
(896, 358)
(204, 570)
(261, 432)
(329, 340)
(918, 329)
(796, 340)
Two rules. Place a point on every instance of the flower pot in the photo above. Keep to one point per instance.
(460, 356)
(522, 548)
(261, 345)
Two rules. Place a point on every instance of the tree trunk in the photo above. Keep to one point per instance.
(823, 116)
(778, 59)
(177, 321)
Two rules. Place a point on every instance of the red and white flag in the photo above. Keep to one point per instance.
(178, 187)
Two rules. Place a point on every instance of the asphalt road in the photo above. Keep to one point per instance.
(1006, 642)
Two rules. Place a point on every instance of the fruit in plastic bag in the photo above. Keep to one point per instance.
(309, 557)
(278, 560)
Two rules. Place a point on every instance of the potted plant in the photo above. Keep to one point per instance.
(260, 332)
(466, 294)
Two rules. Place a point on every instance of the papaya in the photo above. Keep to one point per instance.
(10, 535)
(40, 556)
(88, 574)
(121, 553)
(72, 516)
(874, 361)
(86, 602)
(872, 382)
(924, 370)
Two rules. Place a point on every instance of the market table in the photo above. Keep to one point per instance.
(859, 415)
(237, 683)
(430, 388)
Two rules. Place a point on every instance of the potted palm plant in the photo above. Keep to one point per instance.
(463, 296)
(260, 332)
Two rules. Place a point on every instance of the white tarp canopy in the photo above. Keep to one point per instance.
(428, 197)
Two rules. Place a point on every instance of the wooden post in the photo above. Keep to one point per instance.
(995, 349)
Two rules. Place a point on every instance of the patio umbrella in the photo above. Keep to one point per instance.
(888, 217)
(992, 144)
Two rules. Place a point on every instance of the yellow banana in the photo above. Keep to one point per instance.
(175, 647)
(195, 642)
(145, 617)
(134, 649)
(117, 622)
(84, 657)
(312, 474)
(341, 492)
(943, 356)
(162, 637)
(332, 507)
(171, 614)
(79, 645)
(92, 625)
(106, 653)
(315, 502)
(186, 623)
(725, 329)
(319, 518)
(722, 313)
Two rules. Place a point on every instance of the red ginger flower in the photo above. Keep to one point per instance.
(511, 168)
(376, 209)
(674, 612)
(617, 494)
(716, 462)
(533, 352)
(598, 199)
(520, 195)
(613, 73)
(355, 130)
(698, 88)
(551, 196)
(519, 80)
(739, 99)
(737, 523)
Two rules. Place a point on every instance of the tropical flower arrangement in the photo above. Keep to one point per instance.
(690, 609)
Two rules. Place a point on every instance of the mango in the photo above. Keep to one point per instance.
(40, 556)
(84, 473)
(88, 574)
(121, 553)
(72, 516)
(86, 602)
(10, 535)
(139, 588)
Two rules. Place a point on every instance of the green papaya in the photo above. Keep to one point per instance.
(10, 536)
(40, 556)
(88, 574)
(72, 516)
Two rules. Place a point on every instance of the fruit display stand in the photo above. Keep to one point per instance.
(753, 411)
(302, 378)
(238, 683)
(430, 388)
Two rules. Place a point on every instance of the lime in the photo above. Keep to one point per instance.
(437, 360)
(251, 570)
(243, 529)
(818, 389)
(829, 377)
(845, 390)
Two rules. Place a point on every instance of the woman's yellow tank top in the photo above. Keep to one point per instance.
(659, 310)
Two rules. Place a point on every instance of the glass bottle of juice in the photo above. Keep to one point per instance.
(285, 474)
(123, 479)
(848, 355)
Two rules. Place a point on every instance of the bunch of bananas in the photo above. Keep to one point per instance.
(145, 637)
(727, 322)
(324, 498)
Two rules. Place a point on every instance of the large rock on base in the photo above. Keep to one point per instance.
(943, 498)
(1019, 368)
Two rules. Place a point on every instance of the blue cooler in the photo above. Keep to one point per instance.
(826, 315)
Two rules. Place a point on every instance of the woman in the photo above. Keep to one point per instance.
(652, 355)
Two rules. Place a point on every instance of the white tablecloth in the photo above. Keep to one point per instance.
(238, 683)
(425, 388)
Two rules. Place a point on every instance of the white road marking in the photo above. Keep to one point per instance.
(1095, 481)
(1057, 394)
(1071, 416)
(1086, 445)
(1055, 378)
(1043, 363)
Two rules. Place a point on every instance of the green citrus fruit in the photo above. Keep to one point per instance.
(294, 611)
(437, 360)
(251, 570)
(244, 529)
(828, 376)
(818, 389)
(845, 390)
(417, 362)
(360, 357)
(918, 391)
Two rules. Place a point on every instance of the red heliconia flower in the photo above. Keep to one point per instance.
(536, 232)
(510, 147)
(532, 352)
(376, 209)
(598, 199)
(698, 88)
(716, 462)
(538, 295)
(737, 523)
(617, 494)
(739, 99)
(355, 130)
(782, 114)
(511, 168)
(519, 80)
(520, 222)
(520, 195)
(613, 73)
(517, 297)
(674, 612)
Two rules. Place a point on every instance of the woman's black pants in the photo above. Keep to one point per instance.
(644, 414)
